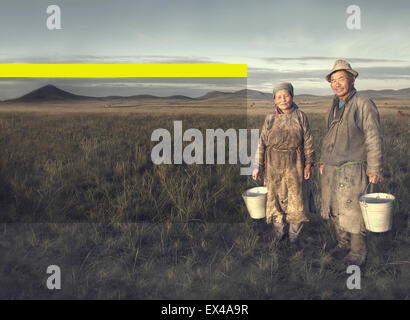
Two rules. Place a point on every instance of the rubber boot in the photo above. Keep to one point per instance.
(259, 228)
(343, 242)
(278, 231)
(358, 250)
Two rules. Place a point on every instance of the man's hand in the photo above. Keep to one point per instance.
(307, 171)
(321, 168)
(374, 178)
(256, 174)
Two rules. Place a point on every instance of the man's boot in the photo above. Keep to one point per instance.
(343, 242)
(258, 227)
(358, 250)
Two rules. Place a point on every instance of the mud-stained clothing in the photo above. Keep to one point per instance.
(351, 149)
(340, 192)
(285, 147)
(353, 134)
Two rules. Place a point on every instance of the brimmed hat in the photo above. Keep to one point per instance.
(283, 85)
(342, 65)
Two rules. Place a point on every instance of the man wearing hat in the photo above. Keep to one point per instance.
(351, 157)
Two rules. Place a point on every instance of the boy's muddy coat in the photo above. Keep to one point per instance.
(353, 139)
(285, 146)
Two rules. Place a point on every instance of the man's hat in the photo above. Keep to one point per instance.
(342, 65)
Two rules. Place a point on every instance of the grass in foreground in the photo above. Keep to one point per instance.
(80, 168)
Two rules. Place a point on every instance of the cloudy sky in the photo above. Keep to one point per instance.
(295, 41)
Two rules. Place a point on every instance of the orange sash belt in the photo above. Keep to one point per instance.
(283, 150)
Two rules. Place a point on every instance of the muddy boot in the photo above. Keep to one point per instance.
(343, 243)
(259, 228)
(294, 231)
(358, 250)
(278, 231)
(257, 225)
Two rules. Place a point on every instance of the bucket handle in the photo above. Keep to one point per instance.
(365, 191)
(371, 188)
(364, 200)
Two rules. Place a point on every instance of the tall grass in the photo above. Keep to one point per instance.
(80, 191)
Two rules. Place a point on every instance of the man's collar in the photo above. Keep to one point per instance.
(336, 98)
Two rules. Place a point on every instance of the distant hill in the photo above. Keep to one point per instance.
(49, 93)
(255, 94)
(216, 95)
(395, 94)
(52, 93)
(244, 93)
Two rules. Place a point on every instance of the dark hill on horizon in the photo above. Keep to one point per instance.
(48, 93)
(387, 93)
(244, 93)
(52, 93)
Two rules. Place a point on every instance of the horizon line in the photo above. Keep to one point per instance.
(183, 95)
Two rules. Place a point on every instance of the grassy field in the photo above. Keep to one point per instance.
(79, 191)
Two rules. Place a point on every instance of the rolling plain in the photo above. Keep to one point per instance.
(78, 189)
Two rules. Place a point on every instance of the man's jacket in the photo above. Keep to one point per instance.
(355, 135)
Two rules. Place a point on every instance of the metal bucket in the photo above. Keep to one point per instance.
(377, 211)
(255, 200)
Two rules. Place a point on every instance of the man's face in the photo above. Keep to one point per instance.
(342, 84)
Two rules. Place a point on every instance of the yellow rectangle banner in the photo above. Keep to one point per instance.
(105, 70)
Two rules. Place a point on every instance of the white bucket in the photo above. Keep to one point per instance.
(377, 211)
(255, 200)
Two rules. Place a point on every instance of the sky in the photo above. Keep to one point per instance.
(296, 41)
